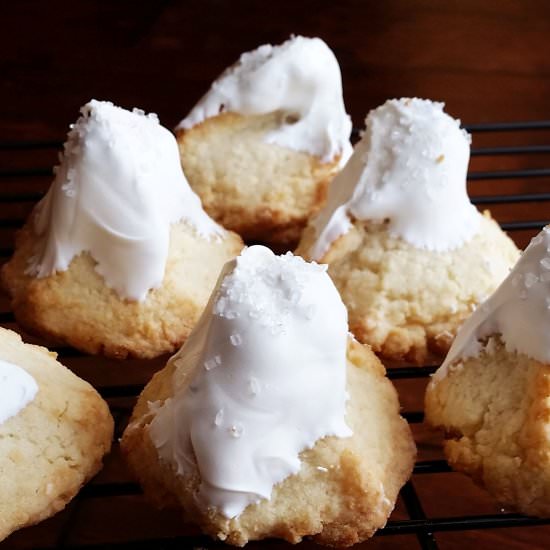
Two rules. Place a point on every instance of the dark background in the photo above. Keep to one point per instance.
(488, 60)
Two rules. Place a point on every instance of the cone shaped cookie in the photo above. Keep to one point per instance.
(54, 431)
(409, 253)
(119, 257)
(492, 393)
(264, 142)
(271, 421)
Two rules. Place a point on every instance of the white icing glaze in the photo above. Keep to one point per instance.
(17, 389)
(410, 169)
(519, 310)
(117, 190)
(301, 78)
(268, 376)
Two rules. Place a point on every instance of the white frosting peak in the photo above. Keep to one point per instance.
(518, 310)
(301, 78)
(17, 389)
(410, 169)
(117, 190)
(268, 379)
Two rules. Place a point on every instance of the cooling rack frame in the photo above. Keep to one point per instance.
(419, 523)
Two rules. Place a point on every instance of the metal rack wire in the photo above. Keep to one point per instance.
(120, 394)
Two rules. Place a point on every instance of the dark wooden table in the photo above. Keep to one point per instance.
(489, 61)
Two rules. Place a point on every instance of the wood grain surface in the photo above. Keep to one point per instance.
(488, 60)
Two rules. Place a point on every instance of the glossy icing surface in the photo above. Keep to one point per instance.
(117, 189)
(301, 79)
(409, 168)
(267, 366)
(17, 389)
(519, 310)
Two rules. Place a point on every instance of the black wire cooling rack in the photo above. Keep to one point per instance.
(512, 180)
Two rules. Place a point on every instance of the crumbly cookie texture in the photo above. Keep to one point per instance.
(262, 191)
(495, 410)
(54, 445)
(76, 307)
(344, 491)
(407, 303)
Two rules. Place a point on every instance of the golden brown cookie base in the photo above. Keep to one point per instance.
(495, 410)
(77, 308)
(345, 490)
(407, 303)
(264, 192)
(54, 445)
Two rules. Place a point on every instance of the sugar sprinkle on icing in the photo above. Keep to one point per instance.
(408, 169)
(518, 311)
